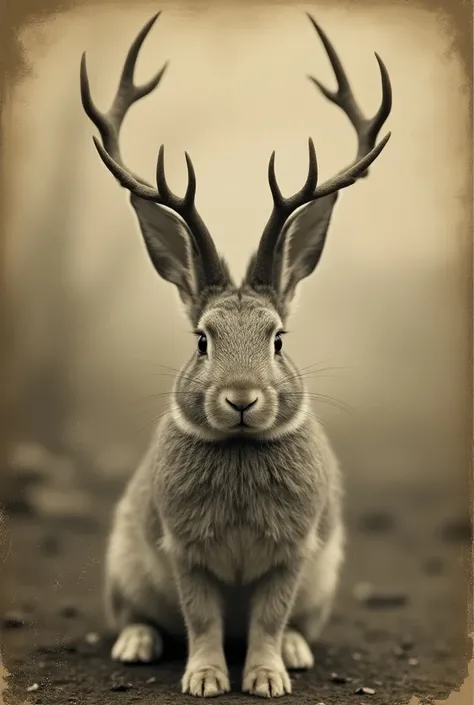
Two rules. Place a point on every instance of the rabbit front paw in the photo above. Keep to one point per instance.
(205, 681)
(267, 681)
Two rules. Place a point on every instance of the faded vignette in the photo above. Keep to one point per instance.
(455, 19)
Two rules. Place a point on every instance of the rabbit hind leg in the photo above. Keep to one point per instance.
(138, 639)
(141, 604)
(317, 592)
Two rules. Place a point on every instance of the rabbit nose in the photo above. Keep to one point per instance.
(241, 402)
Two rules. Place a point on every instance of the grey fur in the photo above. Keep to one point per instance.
(232, 523)
(231, 531)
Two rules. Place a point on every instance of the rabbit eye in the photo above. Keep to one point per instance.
(202, 344)
(278, 343)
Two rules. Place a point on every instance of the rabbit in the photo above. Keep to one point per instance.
(232, 525)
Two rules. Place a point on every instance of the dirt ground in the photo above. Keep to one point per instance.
(405, 636)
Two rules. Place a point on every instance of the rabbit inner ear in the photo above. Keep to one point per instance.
(170, 245)
(301, 244)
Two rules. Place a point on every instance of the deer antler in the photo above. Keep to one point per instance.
(109, 125)
(366, 130)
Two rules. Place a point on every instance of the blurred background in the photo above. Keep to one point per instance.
(386, 318)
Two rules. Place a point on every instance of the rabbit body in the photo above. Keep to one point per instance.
(235, 534)
(236, 510)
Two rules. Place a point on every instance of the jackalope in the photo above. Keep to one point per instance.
(232, 524)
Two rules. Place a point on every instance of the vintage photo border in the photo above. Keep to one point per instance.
(456, 17)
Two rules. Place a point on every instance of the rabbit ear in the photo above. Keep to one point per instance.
(301, 244)
(170, 246)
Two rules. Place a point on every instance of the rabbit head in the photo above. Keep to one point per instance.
(239, 380)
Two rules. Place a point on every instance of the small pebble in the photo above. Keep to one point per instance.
(151, 680)
(336, 678)
(379, 683)
(378, 598)
(33, 688)
(398, 652)
(121, 687)
(365, 691)
(387, 599)
(92, 638)
(69, 611)
(356, 656)
(413, 661)
(13, 620)
(69, 647)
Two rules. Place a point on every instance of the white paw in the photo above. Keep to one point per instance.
(295, 651)
(205, 681)
(267, 682)
(138, 643)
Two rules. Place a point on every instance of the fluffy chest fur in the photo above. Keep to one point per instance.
(239, 508)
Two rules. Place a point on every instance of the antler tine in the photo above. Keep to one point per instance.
(272, 180)
(308, 188)
(171, 199)
(343, 93)
(190, 194)
(386, 105)
(124, 177)
(354, 172)
(161, 182)
(109, 125)
(366, 129)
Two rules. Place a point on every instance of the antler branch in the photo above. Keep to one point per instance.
(109, 125)
(367, 131)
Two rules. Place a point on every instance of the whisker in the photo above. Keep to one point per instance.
(180, 376)
(322, 362)
(309, 413)
(302, 374)
(152, 397)
(331, 368)
(154, 420)
(156, 364)
(335, 403)
(324, 399)
(175, 377)
(316, 375)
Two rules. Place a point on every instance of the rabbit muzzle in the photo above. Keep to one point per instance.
(241, 408)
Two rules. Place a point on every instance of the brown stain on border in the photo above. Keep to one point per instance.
(456, 17)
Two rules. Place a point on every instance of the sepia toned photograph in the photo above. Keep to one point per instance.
(237, 352)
